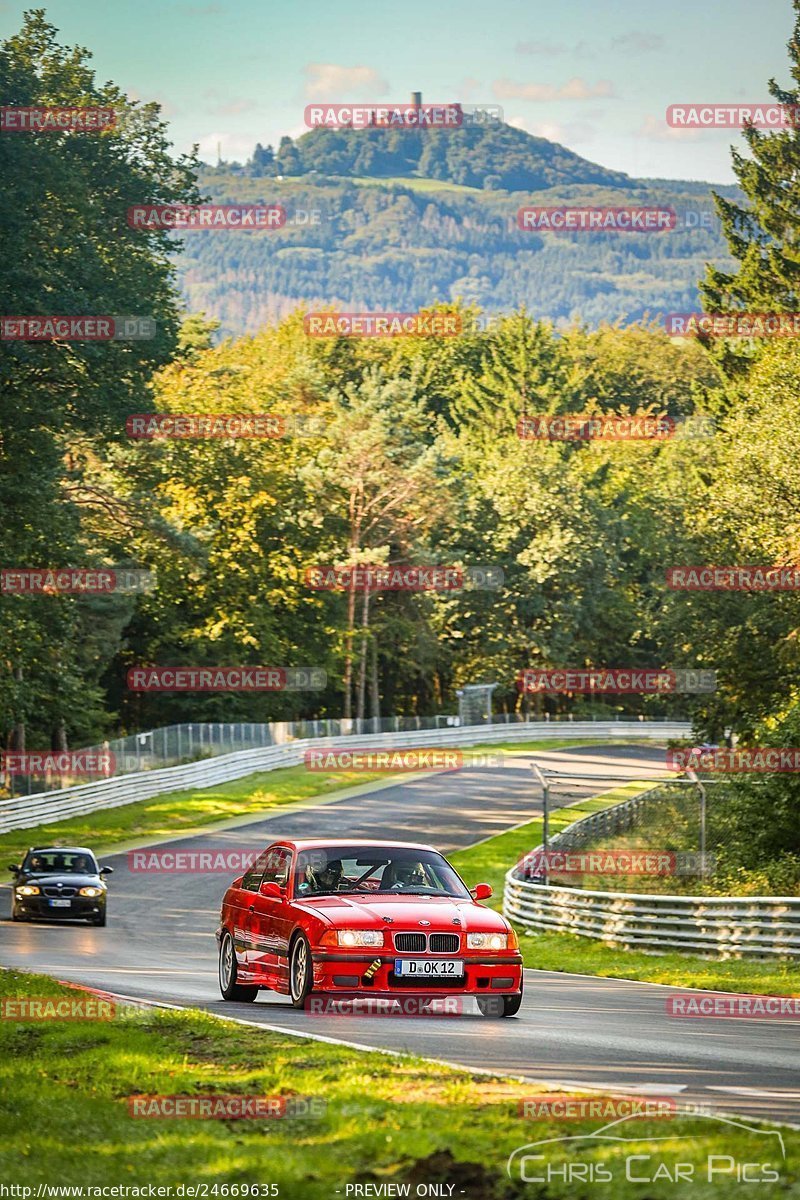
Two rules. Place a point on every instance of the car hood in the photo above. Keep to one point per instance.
(405, 912)
(66, 879)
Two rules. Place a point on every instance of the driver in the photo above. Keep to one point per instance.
(330, 876)
(408, 874)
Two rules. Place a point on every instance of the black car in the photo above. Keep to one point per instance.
(60, 882)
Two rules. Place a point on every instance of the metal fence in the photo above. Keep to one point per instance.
(722, 926)
(23, 812)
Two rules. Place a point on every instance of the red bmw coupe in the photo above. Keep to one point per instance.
(352, 918)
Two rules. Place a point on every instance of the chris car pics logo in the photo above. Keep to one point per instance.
(625, 1151)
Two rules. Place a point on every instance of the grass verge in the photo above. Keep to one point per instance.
(487, 862)
(65, 1114)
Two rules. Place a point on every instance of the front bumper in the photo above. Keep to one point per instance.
(80, 908)
(374, 974)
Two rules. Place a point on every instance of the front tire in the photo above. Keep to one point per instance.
(228, 973)
(100, 919)
(15, 916)
(301, 971)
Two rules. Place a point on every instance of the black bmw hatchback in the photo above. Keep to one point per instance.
(60, 882)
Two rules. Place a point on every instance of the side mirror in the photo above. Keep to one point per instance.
(272, 890)
(106, 871)
(15, 867)
(482, 891)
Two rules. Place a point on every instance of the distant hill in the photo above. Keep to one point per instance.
(395, 219)
(491, 156)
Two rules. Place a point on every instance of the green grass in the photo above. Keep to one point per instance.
(488, 861)
(411, 181)
(65, 1116)
(179, 813)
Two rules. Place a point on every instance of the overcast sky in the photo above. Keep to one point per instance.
(597, 81)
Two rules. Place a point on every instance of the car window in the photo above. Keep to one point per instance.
(336, 869)
(61, 862)
(276, 869)
(253, 876)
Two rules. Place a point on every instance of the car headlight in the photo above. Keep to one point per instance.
(90, 891)
(487, 941)
(28, 889)
(360, 937)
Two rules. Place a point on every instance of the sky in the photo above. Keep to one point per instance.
(595, 77)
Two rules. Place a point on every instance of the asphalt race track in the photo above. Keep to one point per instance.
(159, 945)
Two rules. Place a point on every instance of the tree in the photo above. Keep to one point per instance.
(763, 236)
(287, 160)
(263, 160)
(66, 249)
(380, 458)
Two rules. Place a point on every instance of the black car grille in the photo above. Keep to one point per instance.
(444, 943)
(410, 943)
(418, 943)
(55, 893)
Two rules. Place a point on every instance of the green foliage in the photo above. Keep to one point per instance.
(511, 158)
(66, 249)
(403, 243)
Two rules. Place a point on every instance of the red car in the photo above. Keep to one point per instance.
(353, 918)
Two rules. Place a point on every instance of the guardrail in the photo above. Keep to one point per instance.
(725, 926)
(24, 812)
(174, 745)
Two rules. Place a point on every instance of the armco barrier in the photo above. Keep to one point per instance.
(27, 811)
(722, 926)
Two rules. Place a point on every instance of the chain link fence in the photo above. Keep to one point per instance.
(679, 838)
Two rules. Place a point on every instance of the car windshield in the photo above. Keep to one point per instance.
(59, 862)
(376, 870)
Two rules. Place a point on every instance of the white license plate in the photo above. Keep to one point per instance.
(61, 904)
(427, 968)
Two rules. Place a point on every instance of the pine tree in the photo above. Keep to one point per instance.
(764, 236)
